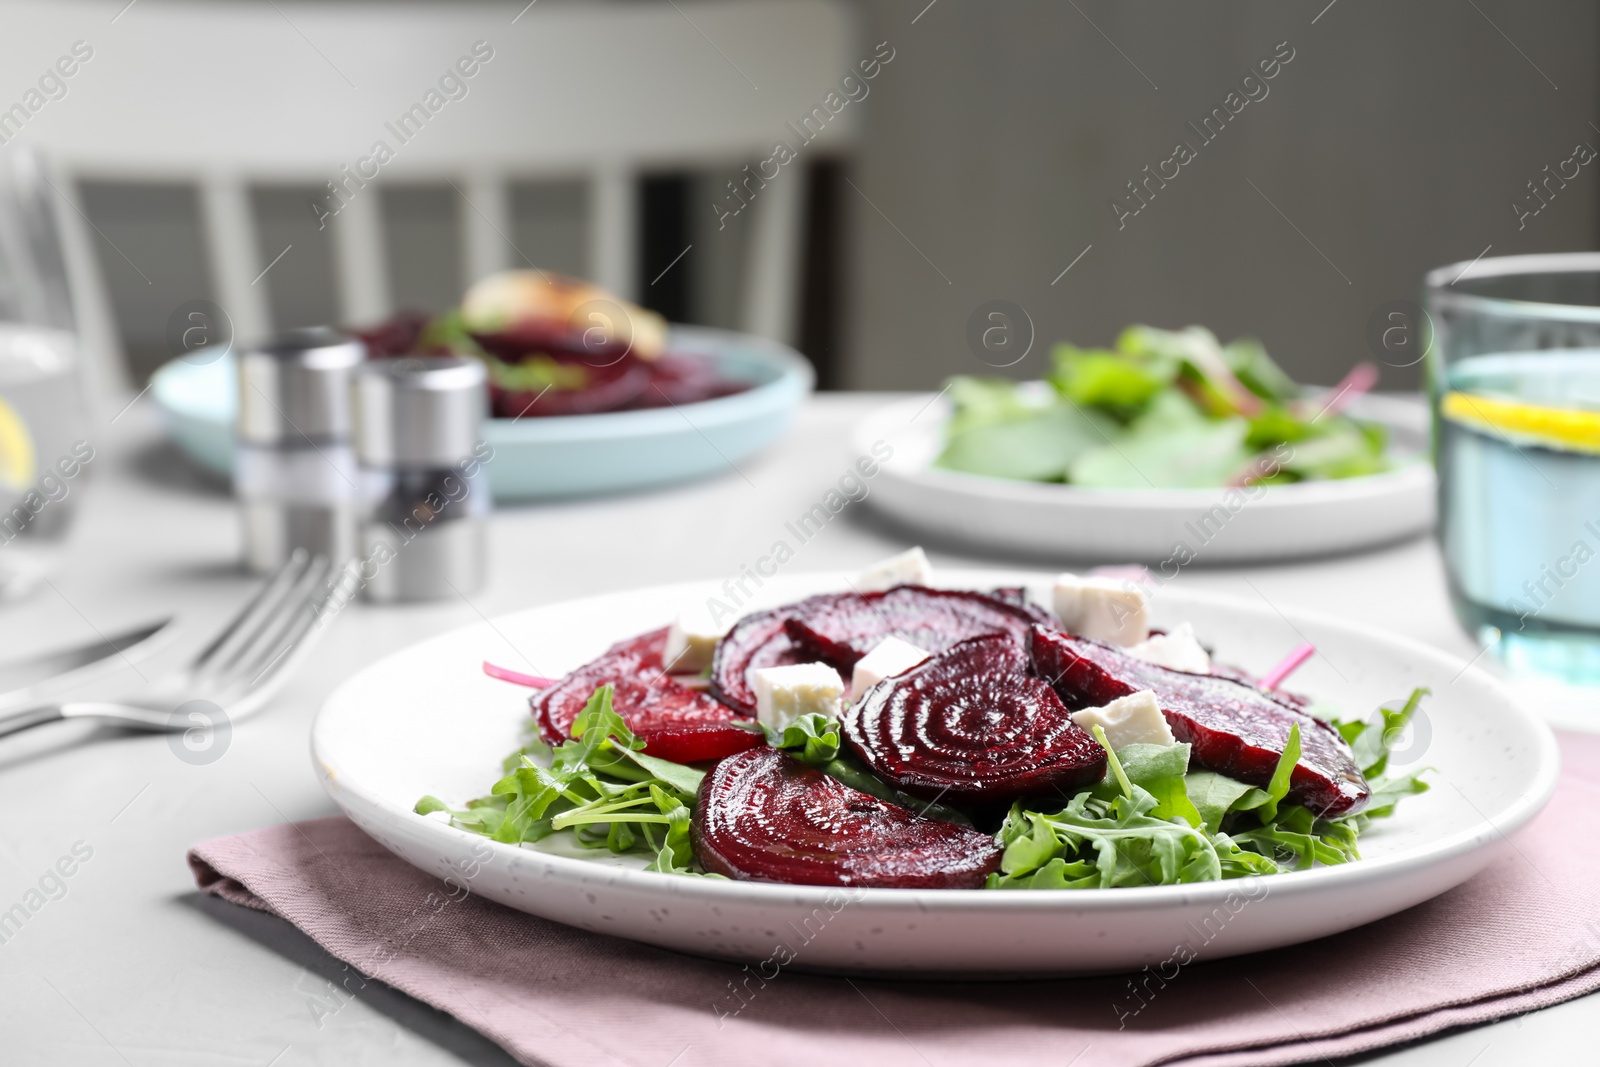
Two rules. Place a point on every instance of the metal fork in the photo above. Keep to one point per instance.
(243, 666)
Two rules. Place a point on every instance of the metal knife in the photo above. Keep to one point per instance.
(24, 679)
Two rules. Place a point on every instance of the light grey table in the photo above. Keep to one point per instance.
(129, 966)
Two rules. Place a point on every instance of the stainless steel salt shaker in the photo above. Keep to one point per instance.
(295, 474)
(419, 442)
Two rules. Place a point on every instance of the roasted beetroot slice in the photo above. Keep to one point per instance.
(931, 619)
(1017, 597)
(764, 816)
(973, 725)
(692, 743)
(1244, 677)
(1234, 728)
(677, 722)
(759, 640)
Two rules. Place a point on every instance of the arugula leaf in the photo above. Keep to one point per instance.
(1388, 792)
(1371, 741)
(1278, 787)
(598, 785)
(1094, 844)
(1297, 833)
(812, 739)
(1214, 796)
(683, 779)
(1104, 841)
(1159, 770)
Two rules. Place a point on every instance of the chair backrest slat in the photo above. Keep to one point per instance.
(359, 260)
(234, 248)
(488, 243)
(613, 223)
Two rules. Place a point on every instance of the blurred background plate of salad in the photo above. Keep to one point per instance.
(1168, 447)
(591, 394)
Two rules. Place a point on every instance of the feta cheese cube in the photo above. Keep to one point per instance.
(783, 694)
(1178, 649)
(1135, 719)
(888, 657)
(691, 641)
(910, 567)
(1104, 609)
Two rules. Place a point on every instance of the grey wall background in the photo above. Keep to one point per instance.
(1394, 140)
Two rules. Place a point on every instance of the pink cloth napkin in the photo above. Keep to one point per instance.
(1525, 934)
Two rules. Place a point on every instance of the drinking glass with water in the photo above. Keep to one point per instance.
(44, 450)
(1514, 379)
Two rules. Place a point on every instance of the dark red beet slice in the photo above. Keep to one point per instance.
(691, 743)
(1235, 729)
(395, 336)
(932, 619)
(609, 388)
(755, 641)
(973, 724)
(1244, 677)
(685, 380)
(765, 816)
(677, 722)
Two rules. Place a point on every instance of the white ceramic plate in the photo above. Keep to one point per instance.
(426, 720)
(1173, 527)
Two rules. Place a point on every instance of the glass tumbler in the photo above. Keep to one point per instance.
(1514, 382)
(45, 452)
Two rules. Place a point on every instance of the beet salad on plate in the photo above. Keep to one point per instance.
(897, 734)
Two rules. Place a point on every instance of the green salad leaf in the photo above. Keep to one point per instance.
(1115, 382)
(1101, 843)
(812, 739)
(1159, 770)
(1036, 446)
(599, 785)
(1372, 741)
(533, 374)
(1185, 456)
(1159, 409)
(1248, 360)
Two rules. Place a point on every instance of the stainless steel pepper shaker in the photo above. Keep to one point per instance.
(295, 473)
(419, 442)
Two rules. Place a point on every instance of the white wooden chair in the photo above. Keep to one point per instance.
(227, 96)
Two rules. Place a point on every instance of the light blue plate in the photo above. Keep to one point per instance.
(571, 455)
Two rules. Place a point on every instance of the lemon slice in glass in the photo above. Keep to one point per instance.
(1566, 429)
(16, 450)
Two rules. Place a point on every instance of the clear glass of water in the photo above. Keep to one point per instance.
(44, 447)
(1514, 380)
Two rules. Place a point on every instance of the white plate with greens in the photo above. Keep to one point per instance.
(428, 721)
(1168, 449)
